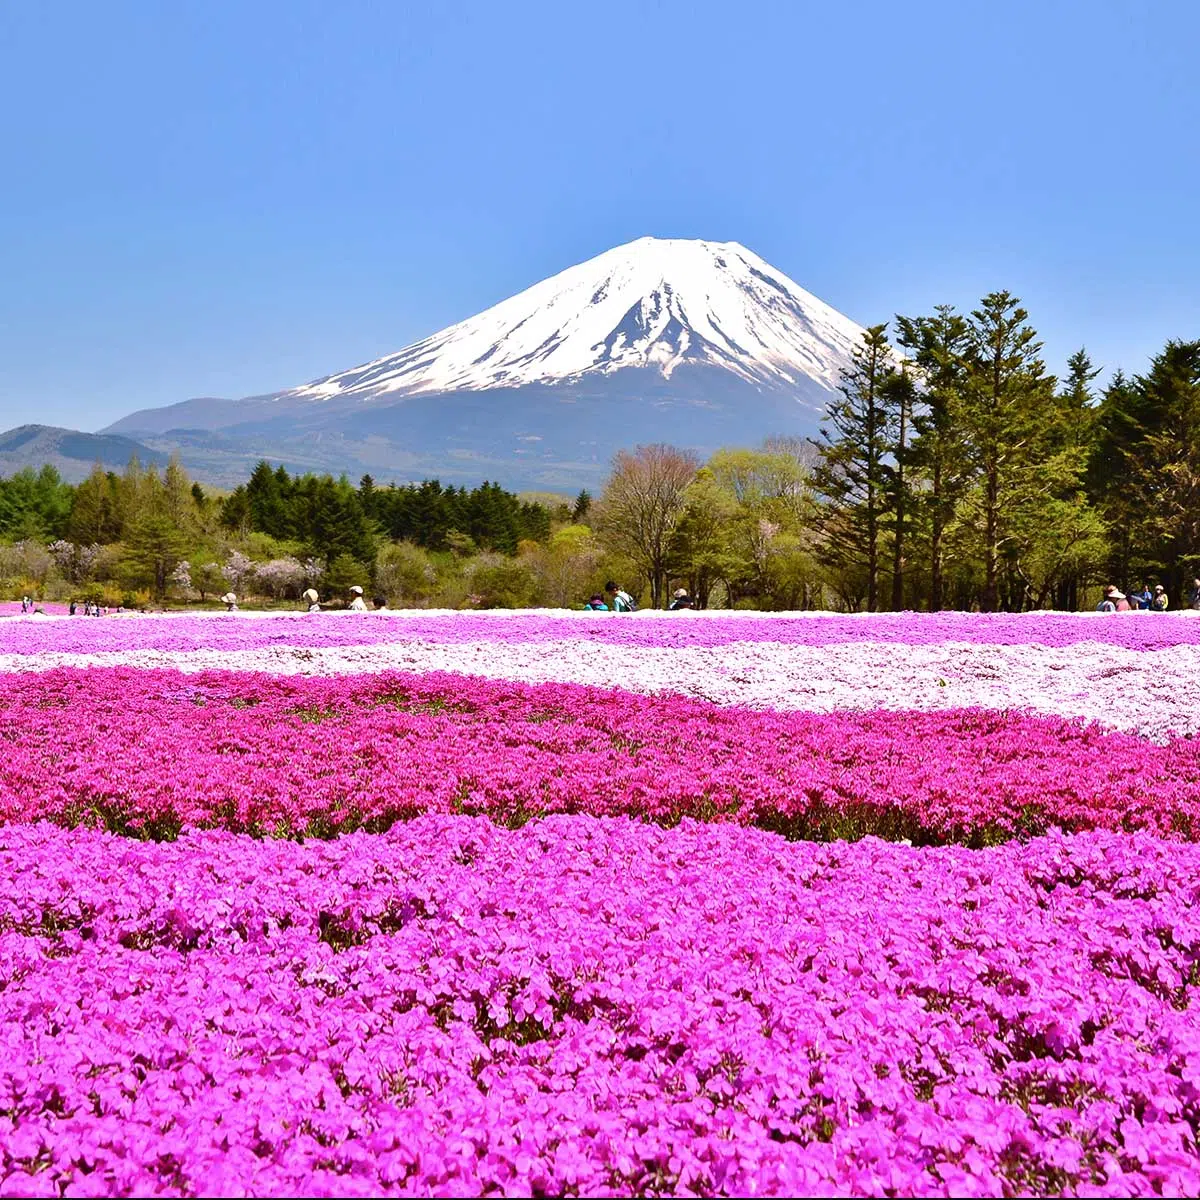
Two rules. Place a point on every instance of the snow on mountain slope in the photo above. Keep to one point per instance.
(695, 343)
(656, 302)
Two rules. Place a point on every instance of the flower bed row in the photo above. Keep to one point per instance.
(596, 1006)
(149, 752)
(1150, 693)
(224, 631)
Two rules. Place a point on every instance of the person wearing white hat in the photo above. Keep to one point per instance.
(357, 603)
(230, 602)
(680, 600)
(1160, 601)
(312, 596)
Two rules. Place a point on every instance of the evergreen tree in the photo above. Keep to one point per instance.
(1150, 447)
(235, 510)
(93, 510)
(179, 502)
(35, 505)
(1074, 439)
(899, 396)
(851, 475)
(1078, 413)
(338, 526)
(156, 547)
(1007, 395)
(268, 493)
(936, 346)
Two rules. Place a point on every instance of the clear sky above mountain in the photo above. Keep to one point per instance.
(223, 199)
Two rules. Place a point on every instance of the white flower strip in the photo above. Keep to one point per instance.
(1154, 693)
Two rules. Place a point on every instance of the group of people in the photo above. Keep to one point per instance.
(622, 601)
(1144, 599)
(616, 599)
(90, 609)
(357, 602)
(312, 598)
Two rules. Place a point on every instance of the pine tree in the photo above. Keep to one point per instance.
(1119, 431)
(1152, 444)
(1074, 439)
(268, 493)
(92, 520)
(899, 396)
(851, 475)
(1007, 395)
(937, 348)
(178, 498)
(156, 547)
(1077, 403)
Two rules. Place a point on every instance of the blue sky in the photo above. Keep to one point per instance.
(224, 198)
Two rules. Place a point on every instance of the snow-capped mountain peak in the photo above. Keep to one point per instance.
(655, 302)
(701, 344)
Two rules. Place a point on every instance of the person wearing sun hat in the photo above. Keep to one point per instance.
(357, 603)
(312, 597)
(1114, 600)
(230, 602)
(1160, 601)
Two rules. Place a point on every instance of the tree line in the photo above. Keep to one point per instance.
(955, 470)
(145, 536)
(952, 471)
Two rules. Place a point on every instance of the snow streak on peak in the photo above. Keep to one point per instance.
(656, 302)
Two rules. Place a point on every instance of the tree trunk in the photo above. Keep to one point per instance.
(990, 541)
(936, 586)
(898, 540)
(872, 553)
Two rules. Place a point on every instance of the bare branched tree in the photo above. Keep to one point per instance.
(641, 506)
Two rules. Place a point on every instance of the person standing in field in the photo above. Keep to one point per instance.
(680, 601)
(1194, 596)
(1160, 601)
(357, 603)
(312, 598)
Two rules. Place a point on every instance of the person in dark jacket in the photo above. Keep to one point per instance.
(679, 600)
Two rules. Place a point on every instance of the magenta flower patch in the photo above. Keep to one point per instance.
(481, 904)
(150, 752)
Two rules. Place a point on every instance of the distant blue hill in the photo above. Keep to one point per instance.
(71, 452)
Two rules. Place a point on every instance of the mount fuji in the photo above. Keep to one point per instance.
(697, 343)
